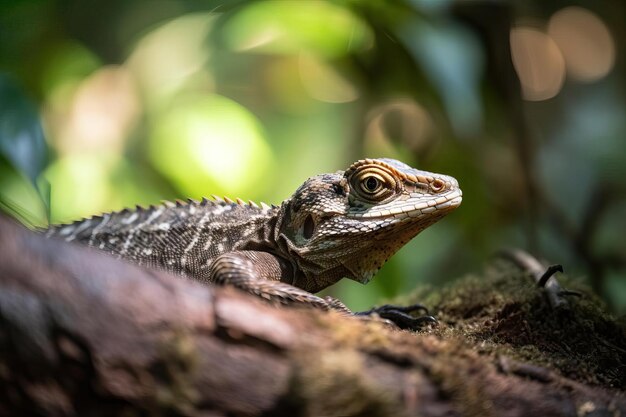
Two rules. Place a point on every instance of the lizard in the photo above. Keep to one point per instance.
(339, 225)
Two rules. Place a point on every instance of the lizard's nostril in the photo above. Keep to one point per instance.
(437, 185)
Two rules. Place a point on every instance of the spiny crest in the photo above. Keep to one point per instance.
(217, 201)
(204, 202)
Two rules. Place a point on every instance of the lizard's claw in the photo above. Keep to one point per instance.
(401, 315)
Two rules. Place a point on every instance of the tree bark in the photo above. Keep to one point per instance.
(84, 334)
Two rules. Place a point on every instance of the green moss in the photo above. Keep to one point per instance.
(504, 313)
(484, 320)
(336, 383)
(172, 375)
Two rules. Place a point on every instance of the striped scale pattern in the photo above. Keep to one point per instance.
(181, 237)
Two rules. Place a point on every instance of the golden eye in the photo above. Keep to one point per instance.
(437, 185)
(371, 184)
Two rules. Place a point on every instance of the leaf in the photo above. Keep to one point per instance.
(21, 136)
(23, 154)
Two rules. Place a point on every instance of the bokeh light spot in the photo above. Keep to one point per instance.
(289, 27)
(585, 42)
(165, 58)
(98, 116)
(400, 120)
(323, 83)
(80, 185)
(69, 63)
(538, 63)
(211, 144)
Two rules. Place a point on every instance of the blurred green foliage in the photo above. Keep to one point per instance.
(144, 101)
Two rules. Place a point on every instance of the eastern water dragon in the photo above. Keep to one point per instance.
(344, 224)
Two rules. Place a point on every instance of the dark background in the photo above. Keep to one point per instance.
(105, 105)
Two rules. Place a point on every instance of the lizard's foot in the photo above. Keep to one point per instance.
(394, 316)
(401, 315)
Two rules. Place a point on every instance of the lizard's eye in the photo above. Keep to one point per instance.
(370, 184)
(373, 183)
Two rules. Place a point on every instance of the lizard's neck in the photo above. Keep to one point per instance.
(308, 274)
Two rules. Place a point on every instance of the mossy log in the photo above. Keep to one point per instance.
(84, 334)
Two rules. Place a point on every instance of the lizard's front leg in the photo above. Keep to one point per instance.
(259, 273)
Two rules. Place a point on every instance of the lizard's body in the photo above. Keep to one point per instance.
(345, 224)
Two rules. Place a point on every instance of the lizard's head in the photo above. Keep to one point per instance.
(348, 224)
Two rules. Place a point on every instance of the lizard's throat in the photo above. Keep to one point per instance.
(368, 262)
(364, 277)
(361, 271)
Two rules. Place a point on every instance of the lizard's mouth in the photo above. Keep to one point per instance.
(435, 207)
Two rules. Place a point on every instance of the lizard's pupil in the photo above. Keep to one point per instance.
(371, 184)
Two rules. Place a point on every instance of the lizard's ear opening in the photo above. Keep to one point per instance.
(308, 227)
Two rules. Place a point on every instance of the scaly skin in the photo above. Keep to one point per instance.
(345, 224)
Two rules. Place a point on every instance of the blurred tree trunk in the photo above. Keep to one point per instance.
(84, 334)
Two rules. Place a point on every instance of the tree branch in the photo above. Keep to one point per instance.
(84, 334)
